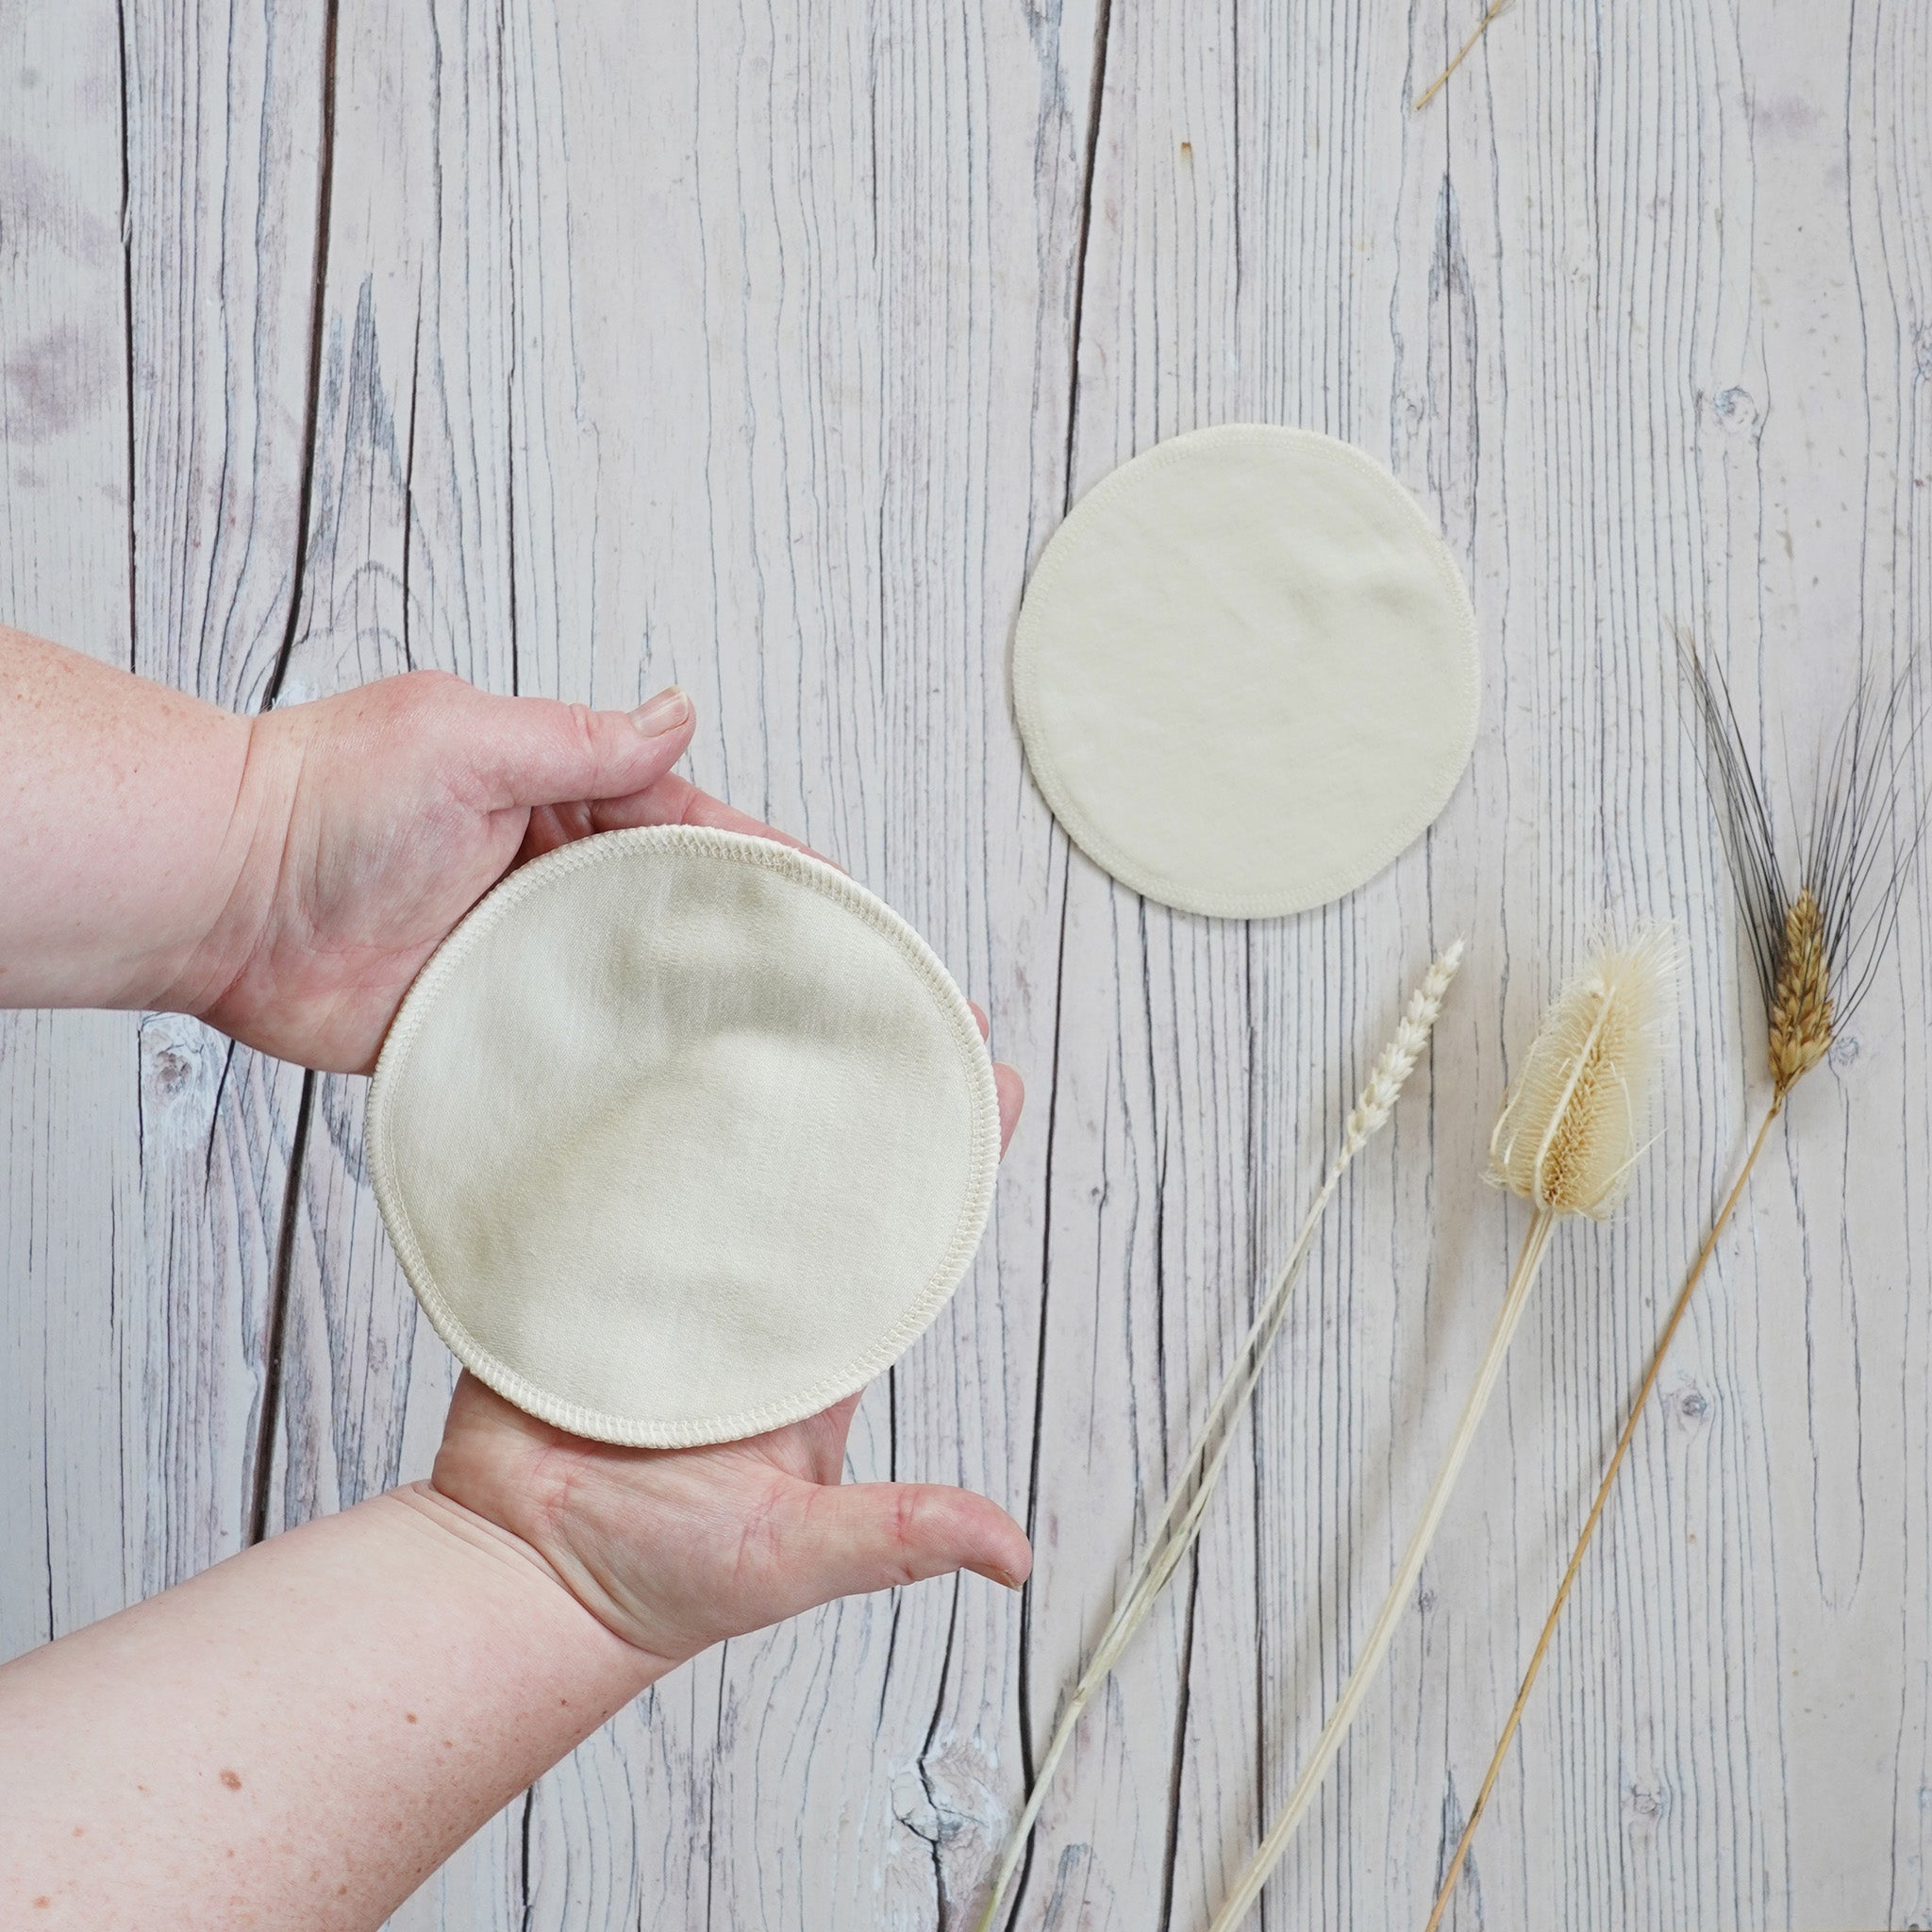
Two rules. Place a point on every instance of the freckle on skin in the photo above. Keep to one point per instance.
(80, 1831)
(42, 1903)
(410, 1715)
(232, 1779)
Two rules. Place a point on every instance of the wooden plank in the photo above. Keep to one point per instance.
(223, 112)
(1829, 1358)
(69, 1082)
(648, 542)
(885, 217)
(1240, 1053)
(634, 489)
(1396, 306)
(410, 565)
(1580, 364)
(1661, 1783)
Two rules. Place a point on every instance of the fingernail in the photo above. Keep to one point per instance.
(662, 713)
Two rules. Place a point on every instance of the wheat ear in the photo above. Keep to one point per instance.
(1566, 1140)
(1815, 950)
(1179, 1523)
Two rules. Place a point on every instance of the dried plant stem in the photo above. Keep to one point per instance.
(1597, 1509)
(1179, 1523)
(1247, 1887)
(1441, 80)
(1167, 1543)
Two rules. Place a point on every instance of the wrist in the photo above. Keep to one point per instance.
(133, 812)
(242, 875)
(549, 1612)
(550, 1495)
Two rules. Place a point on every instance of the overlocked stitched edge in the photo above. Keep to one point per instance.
(740, 847)
(1035, 735)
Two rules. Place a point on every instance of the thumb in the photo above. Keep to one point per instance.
(537, 751)
(849, 1538)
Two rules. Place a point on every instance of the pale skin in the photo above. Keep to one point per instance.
(301, 1735)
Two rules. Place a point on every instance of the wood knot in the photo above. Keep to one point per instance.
(1734, 410)
(1644, 1806)
(1690, 1405)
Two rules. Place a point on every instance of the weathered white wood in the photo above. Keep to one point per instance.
(70, 1084)
(408, 564)
(1320, 105)
(773, 531)
(222, 107)
(740, 349)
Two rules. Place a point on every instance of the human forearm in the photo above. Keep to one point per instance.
(132, 818)
(284, 878)
(303, 1733)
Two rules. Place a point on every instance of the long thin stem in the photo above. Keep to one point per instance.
(1173, 1534)
(1169, 1539)
(1441, 80)
(1596, 1509)
(1247, 1887)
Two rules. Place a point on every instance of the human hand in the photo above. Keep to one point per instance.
(383, 815)
(677, 1549)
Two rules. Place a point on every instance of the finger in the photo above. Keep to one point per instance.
(1012, 1097)
(669, 801)
(535, 751)
(860, 1537)
(1006, 1080)
(675, 801)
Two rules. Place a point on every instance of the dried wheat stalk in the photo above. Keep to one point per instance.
(1815, 948)
(1441, 80)
(1569, 1133)
(1179, 1523)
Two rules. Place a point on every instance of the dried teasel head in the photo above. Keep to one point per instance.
(1576, 1119)
(1817, 939)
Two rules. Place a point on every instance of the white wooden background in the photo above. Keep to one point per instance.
(578, 348)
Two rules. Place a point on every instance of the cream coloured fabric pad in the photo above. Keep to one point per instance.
(1246, 671)
(682, 1134)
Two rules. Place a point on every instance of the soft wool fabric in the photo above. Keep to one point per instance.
(682, 1136)
(1245, 671)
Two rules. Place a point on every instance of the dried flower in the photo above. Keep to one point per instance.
(1568, 1135)
(1575, 1121)
(1180, 1520)
(1816, 950)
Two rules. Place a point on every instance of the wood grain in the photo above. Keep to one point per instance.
(70, 1186)
(579, 350)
